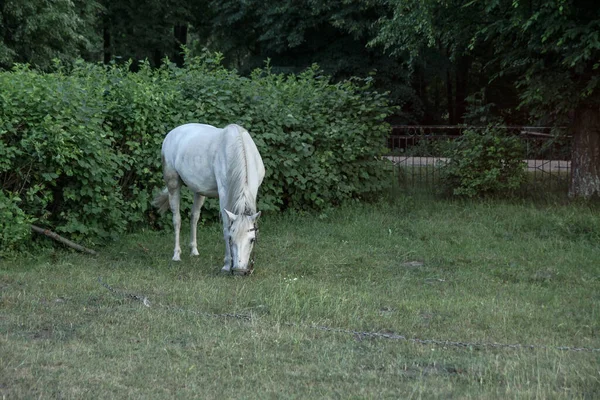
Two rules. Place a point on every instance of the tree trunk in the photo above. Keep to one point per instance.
(106, 42)
(180, 33)
(585, 158)
(463, 65)
(449, 93)
(157, 56)
(419, 85)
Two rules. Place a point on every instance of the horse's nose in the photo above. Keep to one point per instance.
(241, 267)
(239, 271)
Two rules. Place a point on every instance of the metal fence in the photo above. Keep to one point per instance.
(419, 152)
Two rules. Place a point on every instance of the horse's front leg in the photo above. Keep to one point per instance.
(226, 236)
(227, 259)
(198, 202)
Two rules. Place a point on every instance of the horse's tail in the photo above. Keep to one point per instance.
(161, 201)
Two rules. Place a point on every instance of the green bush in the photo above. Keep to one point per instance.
(487, 162)
(14, 224)
(57, 154)
(139, 109)
(81, 146)
(321, 143)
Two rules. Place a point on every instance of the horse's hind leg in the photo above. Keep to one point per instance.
(198, 202)
(174, 187)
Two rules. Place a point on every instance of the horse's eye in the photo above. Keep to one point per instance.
(252, 240)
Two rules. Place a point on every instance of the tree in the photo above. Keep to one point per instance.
(294, 34)
(554, 47)
(433, 36)
(37, 31)
(550, 50)
(150, 30)
(295, 31)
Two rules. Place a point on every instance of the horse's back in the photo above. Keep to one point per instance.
(201, 155)
(189, 137)
(190, 151)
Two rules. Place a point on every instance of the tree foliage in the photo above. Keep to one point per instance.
(433, 55)
(37, 31)
(545, 52)
(293, 35)
(522, 61)
(412, 26)
(553, 46)
(150, 30)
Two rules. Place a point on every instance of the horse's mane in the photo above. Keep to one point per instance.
(239, 198)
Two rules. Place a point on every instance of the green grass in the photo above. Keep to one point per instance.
(503, 272)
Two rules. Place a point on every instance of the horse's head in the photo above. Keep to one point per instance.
(242, 236)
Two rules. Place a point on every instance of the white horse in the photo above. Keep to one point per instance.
(213, 162)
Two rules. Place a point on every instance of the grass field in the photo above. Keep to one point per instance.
(478, 272)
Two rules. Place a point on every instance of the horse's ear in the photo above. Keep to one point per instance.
(232, 216)
(255, 217)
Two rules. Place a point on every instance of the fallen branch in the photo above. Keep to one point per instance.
(61, 239)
